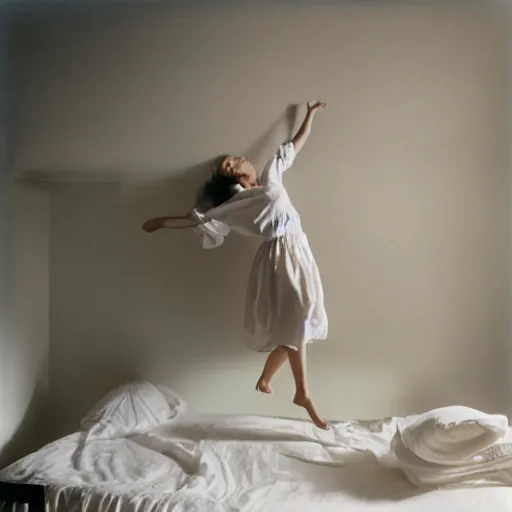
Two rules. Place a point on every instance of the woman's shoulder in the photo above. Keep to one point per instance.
(241, 194)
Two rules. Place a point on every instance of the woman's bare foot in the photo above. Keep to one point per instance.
(306, 402)
(151, 225)
(263, 387)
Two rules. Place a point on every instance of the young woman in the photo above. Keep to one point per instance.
(285, 300)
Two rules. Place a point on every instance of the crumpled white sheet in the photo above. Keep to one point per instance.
(449, 446)
(455, 446)
(242, 464)
(453, 435)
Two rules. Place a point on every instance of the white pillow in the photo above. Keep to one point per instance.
(449, 435)
(176, 404)
(131, 408)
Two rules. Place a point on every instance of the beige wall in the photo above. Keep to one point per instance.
(403, 189)
(24, 316)
(24, 299)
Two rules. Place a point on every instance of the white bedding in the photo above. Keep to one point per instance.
(242, 463)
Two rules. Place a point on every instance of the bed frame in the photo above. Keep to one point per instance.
(30, 494)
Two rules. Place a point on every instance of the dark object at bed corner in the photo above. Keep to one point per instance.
(32, 495)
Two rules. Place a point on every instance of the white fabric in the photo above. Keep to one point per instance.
(492, 466)
(455, 445)
(227, 464)
(452, 435)
(285, 297)
(475, 447)
(211, 233)
(177, 406)
(132, 407)
(264, 212)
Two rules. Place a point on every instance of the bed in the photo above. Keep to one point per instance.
(140, 450)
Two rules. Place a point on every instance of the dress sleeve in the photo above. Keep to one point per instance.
(280, 162)
(211, 232)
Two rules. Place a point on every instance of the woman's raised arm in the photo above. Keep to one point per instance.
(303, 132)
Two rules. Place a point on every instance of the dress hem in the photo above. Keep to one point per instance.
(270, 348)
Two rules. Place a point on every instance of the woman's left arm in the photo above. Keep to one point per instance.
(303, 132)
(175, 222)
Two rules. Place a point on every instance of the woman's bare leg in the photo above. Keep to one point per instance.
(302, 396)
(274, 361)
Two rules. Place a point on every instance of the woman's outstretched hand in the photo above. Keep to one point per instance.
(315, 105)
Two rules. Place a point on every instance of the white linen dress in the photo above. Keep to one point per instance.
(285, 298)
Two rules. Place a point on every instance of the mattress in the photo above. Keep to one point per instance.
(235, 463)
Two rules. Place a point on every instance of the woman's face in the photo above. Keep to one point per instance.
(240, 167)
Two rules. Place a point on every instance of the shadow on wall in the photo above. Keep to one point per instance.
(24, 208)
(32, 432)
(158, 306)
(180, 186)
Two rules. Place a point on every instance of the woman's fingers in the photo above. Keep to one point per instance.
(314, 105)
